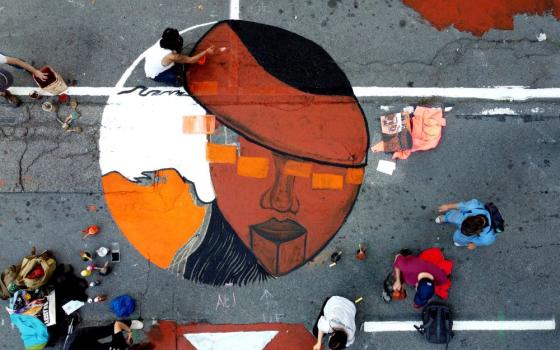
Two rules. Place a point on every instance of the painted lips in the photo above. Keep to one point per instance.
(279, 245)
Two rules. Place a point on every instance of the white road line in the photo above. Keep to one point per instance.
(234, 9)
(498, 93)
(408, 326)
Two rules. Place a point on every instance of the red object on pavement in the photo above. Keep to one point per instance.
(62, 98)
(36, 272)
(436, 257)
(91, 230)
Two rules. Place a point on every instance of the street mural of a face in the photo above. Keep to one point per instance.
(285, 159)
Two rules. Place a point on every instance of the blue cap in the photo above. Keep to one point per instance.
(424, 292)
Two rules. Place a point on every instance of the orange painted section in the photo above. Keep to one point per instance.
(216, 153)
(199, 124)
(204, 88)
(157, 219)
(167, 335)
(479, 16)
(320, 181)
(256, 167)
(294, 168)
(354, 176)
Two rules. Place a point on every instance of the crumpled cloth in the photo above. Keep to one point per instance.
(436, 257)
(426, 130)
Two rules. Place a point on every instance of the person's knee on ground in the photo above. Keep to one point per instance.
(337, 340)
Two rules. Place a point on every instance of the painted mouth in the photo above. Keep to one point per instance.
(279, 231)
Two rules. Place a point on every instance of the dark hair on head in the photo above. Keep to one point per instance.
(338, 340)
(473, 225)
(171, 40)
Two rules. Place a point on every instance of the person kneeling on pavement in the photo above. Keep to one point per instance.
(120, 332)
(473, 223)
(337, 318)
(423, 275)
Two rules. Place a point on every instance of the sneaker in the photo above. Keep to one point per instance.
(12, 100)
(136, 324)
(439, 219)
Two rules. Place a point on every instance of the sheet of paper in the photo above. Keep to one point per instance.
(386, 167)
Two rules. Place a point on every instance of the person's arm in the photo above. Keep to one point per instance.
(178, 58)
(397, 285)
(20, 63)
(121, 327)
(317, 345)
(447, 207)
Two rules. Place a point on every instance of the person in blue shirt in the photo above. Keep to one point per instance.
(474, 226)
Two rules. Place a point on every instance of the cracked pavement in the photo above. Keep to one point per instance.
(503, 151)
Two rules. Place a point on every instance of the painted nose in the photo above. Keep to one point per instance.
(280, 195)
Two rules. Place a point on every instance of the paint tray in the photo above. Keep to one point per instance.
(54, 84)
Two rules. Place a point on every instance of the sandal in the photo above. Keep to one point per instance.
(13, 101)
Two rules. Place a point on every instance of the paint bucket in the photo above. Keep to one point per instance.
(48, 107)
(54, 83)
(102, 252)
(62, 98)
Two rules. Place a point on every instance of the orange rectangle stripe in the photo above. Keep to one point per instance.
(252, 167)
(199, 124)
(354, 176)
(294, 168)
(216, 153)
(321, 181)
(204, 87)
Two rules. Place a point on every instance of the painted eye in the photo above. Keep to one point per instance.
(256, 167)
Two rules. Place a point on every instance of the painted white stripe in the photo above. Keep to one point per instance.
(507, 93)
(498, 93)
(408, 326)
(234, 9)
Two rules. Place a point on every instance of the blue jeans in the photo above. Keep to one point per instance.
(169, 77)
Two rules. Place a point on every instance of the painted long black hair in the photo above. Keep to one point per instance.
(222, 257)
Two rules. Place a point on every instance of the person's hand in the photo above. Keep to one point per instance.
(443, 208)
(471, 246)
(40, 75)
(317, 346)
(397, 285)
(129, 338)
(210, 50)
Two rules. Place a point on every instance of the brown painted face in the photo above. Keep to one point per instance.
(277, 212)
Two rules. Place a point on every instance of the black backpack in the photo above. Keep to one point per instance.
(496, 217)
(437, 324)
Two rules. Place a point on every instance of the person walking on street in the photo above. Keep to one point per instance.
(473, 221)
(6, 78)
(164, 61)
(337, 318)
(423, 275)
(88, 338)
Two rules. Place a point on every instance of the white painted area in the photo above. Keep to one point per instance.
(498, 93)
(385, 108)
(253, 340)
(541, 37)
(498, 111)
(522, 325)
(234, 9)
(386, 167)
(145, 133)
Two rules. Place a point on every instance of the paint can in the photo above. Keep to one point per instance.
(48, 107)
(102, 252)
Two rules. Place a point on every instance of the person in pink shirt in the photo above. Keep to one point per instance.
(421, 274)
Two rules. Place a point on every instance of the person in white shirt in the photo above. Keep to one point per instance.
(163, 61)
(6, 78)
(337, 318)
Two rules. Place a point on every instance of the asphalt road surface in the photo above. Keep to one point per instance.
(504, 151)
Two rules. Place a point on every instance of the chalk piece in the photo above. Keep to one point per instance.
(358, 300)
(386, 167)
(331, 265)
